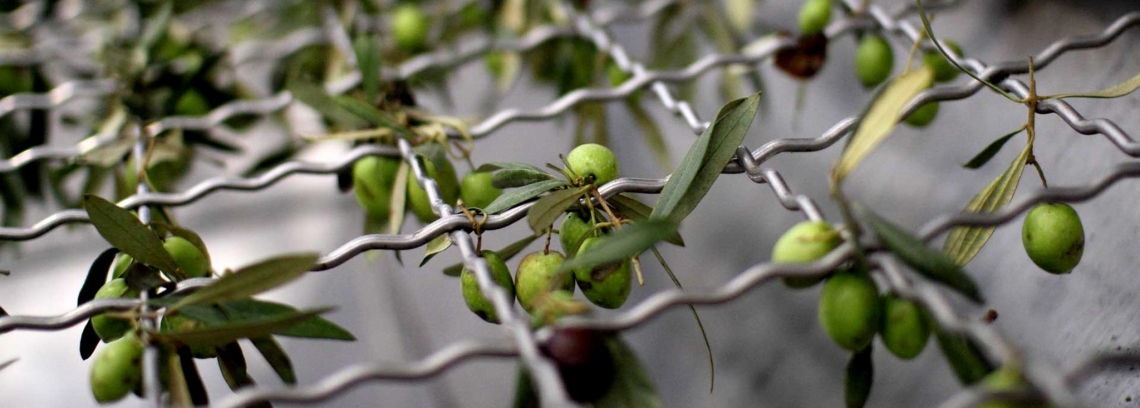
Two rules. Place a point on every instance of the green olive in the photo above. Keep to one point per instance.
(1008, 378)
(173, 323)
(448, 182)
(806, 242)
(117, 369)
(191, 103)
(372, 181)
(14, 80)
(944, 71)
(1053, 237)
(571, 230)
(188, 257)
(874, 60)
(604, 285)
(814, 16)
(479, 304)
(111, 328)
(538, 275)
(595, 160)
(923, 116)
(904, 329)
(410, 27)
(849, 309)
(476, 189)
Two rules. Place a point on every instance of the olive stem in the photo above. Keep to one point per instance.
(637, 269)
(606, 207)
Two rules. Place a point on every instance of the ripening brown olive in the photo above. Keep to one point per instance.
(584, 362)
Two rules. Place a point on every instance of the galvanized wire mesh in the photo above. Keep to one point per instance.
(1056, 383)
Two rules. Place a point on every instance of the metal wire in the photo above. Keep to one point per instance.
(1055, 383)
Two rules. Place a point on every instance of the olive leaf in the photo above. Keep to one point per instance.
(435, 246)
(882, 116)
(399, 199)
(88, 341)
(178, 389)
(508, 252)
(252, 279)
(632, 386)
(247, 310)
(942, 50)
(369, 113)
(991, 150)
(963, 243)
(219, 335)
(108, 154)
(859, 377)
(276, 357)
(1115, 91)
(637, 211)
(967, 362)
(315, 97)
(8, 363)
(705, 160)
(197, 390)
(231, 362)
(525, 395)
(368, 63)
(97, 275)
(521, 195)
(696, 316)
(551, 206)
(929, 262)
(126, 232)
(511, 178)
(621, 244)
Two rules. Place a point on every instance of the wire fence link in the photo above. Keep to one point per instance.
(1057, 383)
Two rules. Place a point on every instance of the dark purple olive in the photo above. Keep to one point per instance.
(584, 362)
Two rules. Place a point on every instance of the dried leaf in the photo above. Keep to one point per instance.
(964, 243)
(882, 117)
(1115, 91)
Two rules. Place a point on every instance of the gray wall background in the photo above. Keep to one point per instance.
(767, 344)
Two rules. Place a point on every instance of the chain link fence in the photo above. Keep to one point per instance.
(83, 86)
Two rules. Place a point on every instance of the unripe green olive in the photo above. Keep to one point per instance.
(448, 182)
(1008, 379)
(410, 27)
(814, 16)
(538, 275)
(593, 159)
(1053, 237)
(944, 71)
(806, 242)
(604, 285)
(904, 329)
(874, 60)
(188, 257)
(571, 230)
(117, 369)
(191, 103)
(476, 190)
(111, 328)
(479, 304)
(372, 181)
(14, 80)
(173, 323)
(923, 116)
(849, 309)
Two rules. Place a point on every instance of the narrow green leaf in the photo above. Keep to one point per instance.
(97, 275)
(1115, 91)
(990, 151)
(696, 316)
(253, 310)
(963, 243)
(88, 341)
(637, 211)
(882, 117)
(508, 252)
(396, 213)
(197, 390)
(315, 97)
(929, 262)
(374, 116)
(624, 243)
(930, 34)
(632, 387)
(219, 335)
(548, 208)
(967, 362)
(525, 395)
(512, 178)
(108, 154)
(859, 378)
(126, 232)
(176, 386)
(253, 279)
(368, 63)
(231, 362)
(521, 195)
(705, 160)
(276, 357)
(8, 363)
(435, 246)
(496, 166)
